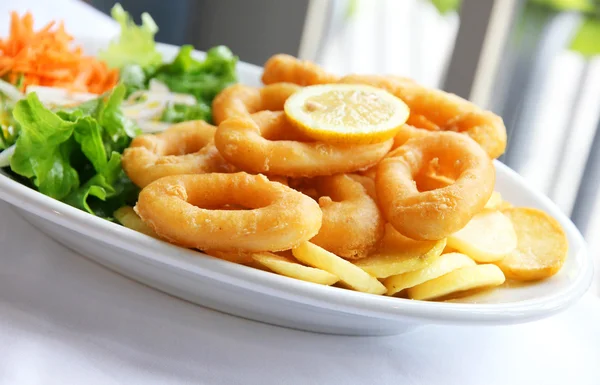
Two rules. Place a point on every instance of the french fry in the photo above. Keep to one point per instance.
(290, 268)
(399, 254)
(348, 273)
(441, 266)
(129, 218)
(460, 280)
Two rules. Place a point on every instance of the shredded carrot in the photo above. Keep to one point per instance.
(45, 58)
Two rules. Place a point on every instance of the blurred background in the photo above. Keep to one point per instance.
(534, 62)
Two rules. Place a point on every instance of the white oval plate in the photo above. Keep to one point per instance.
(270, 298)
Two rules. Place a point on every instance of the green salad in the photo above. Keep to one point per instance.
(69, 148)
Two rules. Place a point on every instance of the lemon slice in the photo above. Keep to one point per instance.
(346, 113)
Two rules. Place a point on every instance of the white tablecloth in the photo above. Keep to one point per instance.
(65, 320)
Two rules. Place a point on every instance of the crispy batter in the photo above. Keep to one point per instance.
(437, 213)
(352, 224)
(266, 148)
(431, 109)
(238, 100)
(184, 148)
(286, 68)
(277, 217)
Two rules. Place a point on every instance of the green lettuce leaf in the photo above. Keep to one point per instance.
(118, 130)
(203, 79)
(43, 148)
(74, 154)
(177, 113)
(106, 191)
(134, 78)
(136, 43)
(88, 133)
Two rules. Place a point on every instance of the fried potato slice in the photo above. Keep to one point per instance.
(463, 279)
(129, 218)
(488, 237)
(494, 202)
(399, 254)
(542, 245)
(441, 266)
(290, 268)
(351, 275)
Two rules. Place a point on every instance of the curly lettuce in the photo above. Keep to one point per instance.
(73, 155)
(135, 45)
(203, 79)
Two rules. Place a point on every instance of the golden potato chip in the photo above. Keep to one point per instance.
(494, 202)
(290, 268)
(460, 280)
(399, 254)
(351, 275)
(542, 245)
(442, 265)
(488, 237)
(129, 218)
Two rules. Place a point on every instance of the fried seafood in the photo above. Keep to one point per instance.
(434, 214)
(184, 148)
(184, 209)
(379, 190)
(286, 68)
(430, 109)
(238, 100)
(442, 110)
(352, 224)
(259, 149)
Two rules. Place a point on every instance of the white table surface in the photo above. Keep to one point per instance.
(66, 320)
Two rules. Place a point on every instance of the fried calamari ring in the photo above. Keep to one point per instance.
(441, 109)
(430, 109)
(265, 148)
(240, 100)
(286, 68)
(184, 148)
(434, 214)
(352, 224)
(421, 121)
(407, 132)
(277, 217)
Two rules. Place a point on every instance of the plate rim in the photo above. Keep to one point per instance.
(331, 298)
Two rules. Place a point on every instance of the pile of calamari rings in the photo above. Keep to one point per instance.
(254, 183)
